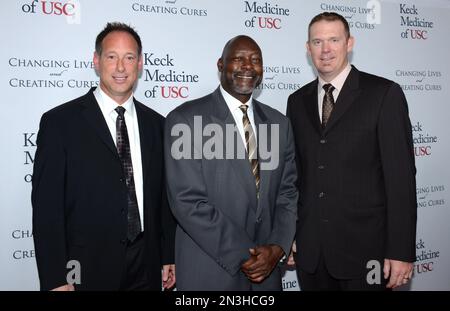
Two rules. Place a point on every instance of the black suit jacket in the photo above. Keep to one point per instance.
(79, 197)
(357, 198)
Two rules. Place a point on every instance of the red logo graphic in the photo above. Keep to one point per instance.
(418, 34)
(264, 22)
(174, 91)
(50, 8)
(423, 267)
(422, 151)
(168, 91)
(269, 22)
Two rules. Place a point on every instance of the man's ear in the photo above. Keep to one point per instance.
(220, 64)
(308, 49)
(96, 60)
(140, 63)
(350, 44)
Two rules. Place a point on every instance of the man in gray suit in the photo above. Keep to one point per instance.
(231, 181)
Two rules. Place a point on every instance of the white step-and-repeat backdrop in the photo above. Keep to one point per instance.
(46, 59)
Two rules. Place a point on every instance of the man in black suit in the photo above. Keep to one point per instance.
(357, 201)
(98, 184)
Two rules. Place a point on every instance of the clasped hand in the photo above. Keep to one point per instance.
(262, 261)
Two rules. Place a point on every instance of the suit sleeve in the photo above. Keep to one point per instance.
(48, 206)
(291, 116)
(284, 224)
(214, 232)
(168, 228)
(397, 160)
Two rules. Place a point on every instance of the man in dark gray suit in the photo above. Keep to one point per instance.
(236, 210)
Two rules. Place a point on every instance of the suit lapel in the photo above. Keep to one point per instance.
(94, 117)
(312, 106)
(350, 91)
(261, 119)
(145, 137)
(221, 115)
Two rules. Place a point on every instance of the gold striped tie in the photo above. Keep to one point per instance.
(327, 103)
(252, 150)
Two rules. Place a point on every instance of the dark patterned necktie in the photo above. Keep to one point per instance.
(123, 148)
(327, 104)
(252, 150)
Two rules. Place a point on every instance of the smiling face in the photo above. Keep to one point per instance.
(118, 65)
(241, 67)
(328, 47)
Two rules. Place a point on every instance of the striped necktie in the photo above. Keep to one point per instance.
(327, 104)
(123, 148)
(252, 150)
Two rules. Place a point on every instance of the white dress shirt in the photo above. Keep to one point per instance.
(233, 104)
(337, 82)
(107, 106)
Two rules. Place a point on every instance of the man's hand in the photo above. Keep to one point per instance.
(64, 288)
(398, 272)
(262, 261)
(168, 276)
(291, 260)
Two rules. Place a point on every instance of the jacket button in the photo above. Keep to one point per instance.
(323, 141)
(321, 195)
(321, 167)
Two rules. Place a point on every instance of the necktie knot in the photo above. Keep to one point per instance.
(243, 108)
(329, 88)
(120, 111)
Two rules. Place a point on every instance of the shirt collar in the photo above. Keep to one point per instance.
(339, 80)
(109, 105)
(233, 103)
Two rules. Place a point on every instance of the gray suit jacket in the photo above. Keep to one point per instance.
(215, 200)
